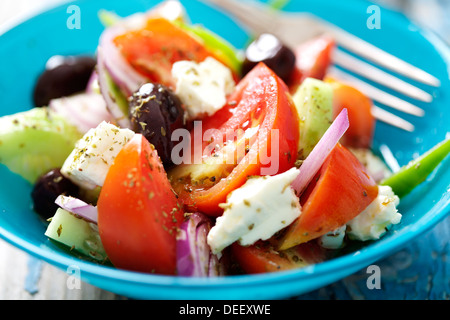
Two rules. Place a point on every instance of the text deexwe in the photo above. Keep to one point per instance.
(226, 309)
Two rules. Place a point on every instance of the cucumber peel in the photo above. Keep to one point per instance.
(314, 103)
(77, 234)
(417, 170)
(35, 141)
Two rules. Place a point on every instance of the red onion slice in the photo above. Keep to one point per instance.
(84, 110)
(316, 158)
(186, 248)
(194, 256)
(126, 78)
(216, 267)
(203, 250)
(78, 207)
(112, 66)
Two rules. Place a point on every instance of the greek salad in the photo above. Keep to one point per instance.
(172, 152)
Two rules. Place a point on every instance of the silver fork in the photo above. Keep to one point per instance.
(295, 28)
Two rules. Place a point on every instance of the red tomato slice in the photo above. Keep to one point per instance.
(359, 106)
(312, 60)
(340, 191)
(138, 213)
(262, 257)
(153, 49)
(261, 105)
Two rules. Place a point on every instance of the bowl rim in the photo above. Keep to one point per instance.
(438, 212)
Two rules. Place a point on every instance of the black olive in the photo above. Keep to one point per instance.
(155, 112)
(47, 188)
(269, 49)
(63, 76)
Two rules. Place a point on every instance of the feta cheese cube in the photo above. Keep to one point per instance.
(256, 211)
(373, 222)
(202, 87)
(89, 162)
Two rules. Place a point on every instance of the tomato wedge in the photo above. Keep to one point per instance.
(362, 122)
(153, 49)
(262, 257)
(262, 109)
(138, 213)
(312, 60)
(339, 192)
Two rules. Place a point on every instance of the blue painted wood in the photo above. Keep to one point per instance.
(419, 271)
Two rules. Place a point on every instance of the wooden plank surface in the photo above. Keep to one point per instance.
(23, 277)
(418, 271)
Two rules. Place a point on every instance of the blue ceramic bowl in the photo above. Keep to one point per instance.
(25, 48)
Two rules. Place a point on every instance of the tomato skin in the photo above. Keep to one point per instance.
(138, 213)
(262, 257)
(153, 49)
(359, 106)
(261, 96)
(339, 192)
(312, 60)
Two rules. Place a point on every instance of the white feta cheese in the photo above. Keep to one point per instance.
(256, 211)
(373, 222)
(333, 239)
(202, 87)
(89, 162)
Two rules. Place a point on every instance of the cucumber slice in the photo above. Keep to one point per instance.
(77, 234)
(314, 103)
(35, 141)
